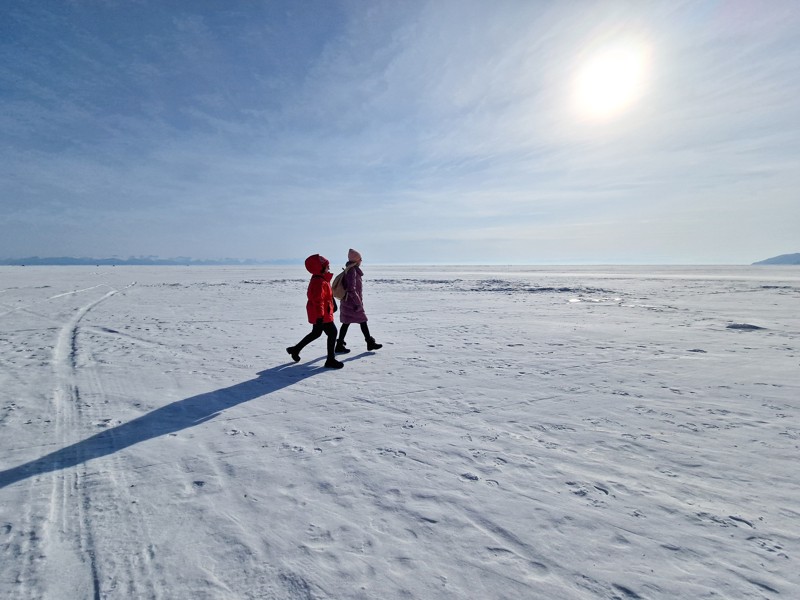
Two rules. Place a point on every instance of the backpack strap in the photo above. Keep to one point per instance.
(346, 268)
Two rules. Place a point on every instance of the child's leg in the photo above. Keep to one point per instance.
(316, 331)
(341, 347)
(331, 362)
(371, 343)
(294, 351)
(330, 331)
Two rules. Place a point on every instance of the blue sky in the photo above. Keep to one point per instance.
(417, 132)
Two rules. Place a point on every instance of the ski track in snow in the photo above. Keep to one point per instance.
(43, 527)
(79, 511)
(523, 434)
(70, 503)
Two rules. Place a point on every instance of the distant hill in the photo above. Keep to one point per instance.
(783, 259)
(142, 260)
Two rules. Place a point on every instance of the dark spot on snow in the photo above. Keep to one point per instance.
(198, 484)
(429, 520)
(671, 547)
(627, 592)
(744, 327)
(741, 520)
(764, 586)
(469, 476)
(698, 350)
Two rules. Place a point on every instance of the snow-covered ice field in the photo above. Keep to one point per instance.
(525, 433)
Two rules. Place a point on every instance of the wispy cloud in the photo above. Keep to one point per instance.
(443, 129)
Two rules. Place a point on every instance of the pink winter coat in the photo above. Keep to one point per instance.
(352, 307)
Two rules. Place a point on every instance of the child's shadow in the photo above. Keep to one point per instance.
(173, 417)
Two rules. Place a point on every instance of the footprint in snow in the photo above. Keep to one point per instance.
(298, 449)
(768, 545)
(239, 432)
(584, 492)
(391, 452)
(730, 521)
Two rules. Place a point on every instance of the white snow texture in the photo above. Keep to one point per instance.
(524, 433)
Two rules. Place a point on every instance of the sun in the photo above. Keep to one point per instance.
(612, 79)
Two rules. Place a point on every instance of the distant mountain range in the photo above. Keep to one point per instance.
(783, 259)
(141, 260)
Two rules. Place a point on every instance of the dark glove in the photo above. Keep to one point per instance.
(335, 306)
(319, 321)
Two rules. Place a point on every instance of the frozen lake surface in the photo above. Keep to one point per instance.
(556, 433)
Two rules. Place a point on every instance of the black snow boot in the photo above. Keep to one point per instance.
(294, 352)
(332, 363)
(372, 344)
(341, 347)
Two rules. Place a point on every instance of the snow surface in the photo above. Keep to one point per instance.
(526, 433)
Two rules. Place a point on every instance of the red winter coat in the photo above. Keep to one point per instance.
(320, 295)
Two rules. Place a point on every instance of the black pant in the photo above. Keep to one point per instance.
(346, 326)
(316, 331)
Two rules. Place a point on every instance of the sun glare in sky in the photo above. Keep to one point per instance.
(611, 79)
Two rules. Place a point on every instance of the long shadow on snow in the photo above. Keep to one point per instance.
(179, 415)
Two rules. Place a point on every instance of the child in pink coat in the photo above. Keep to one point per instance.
(352, 306)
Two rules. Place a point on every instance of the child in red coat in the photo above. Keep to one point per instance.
(320, 309)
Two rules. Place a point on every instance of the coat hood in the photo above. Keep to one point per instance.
(316, 263)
